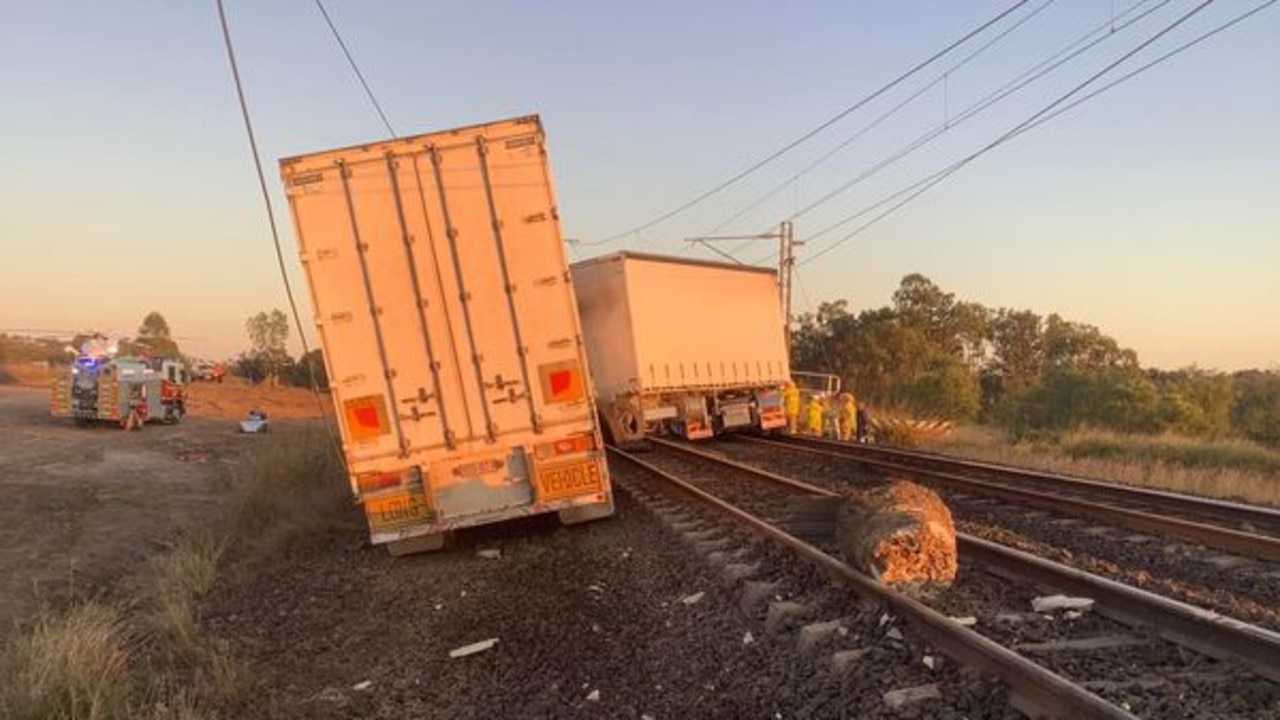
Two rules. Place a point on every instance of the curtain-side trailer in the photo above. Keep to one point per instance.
(680, 346)
(444, 305)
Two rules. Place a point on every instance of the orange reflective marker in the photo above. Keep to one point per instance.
(366, 417)
(561, 381)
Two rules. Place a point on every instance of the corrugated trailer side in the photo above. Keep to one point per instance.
(683, 346)
(449, 325)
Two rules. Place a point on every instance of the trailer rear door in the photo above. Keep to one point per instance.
(439, 284)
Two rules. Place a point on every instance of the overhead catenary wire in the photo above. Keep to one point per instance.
(1048, 113)
(271, 220)
(1041, 69)
(811, 133)
(861, 132)
(356, 69)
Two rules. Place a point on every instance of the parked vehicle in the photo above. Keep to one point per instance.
(683, 347)
(208, 371)
(254, 422)
(127, 390)
(450, 333)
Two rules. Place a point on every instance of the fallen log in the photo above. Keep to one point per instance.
(901, 534)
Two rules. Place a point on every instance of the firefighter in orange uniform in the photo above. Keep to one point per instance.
(791, 403)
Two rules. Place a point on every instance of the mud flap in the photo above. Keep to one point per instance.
(414, 545)
(586, 513)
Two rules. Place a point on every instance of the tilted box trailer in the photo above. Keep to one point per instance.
(451, 337)
(680, 346)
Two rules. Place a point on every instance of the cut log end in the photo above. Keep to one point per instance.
(901, 534)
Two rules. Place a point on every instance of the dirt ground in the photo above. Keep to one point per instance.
(602, 620)
(85, 507)
(613, 619)
(233, 397)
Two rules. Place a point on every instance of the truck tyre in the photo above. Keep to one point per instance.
(414, 545)
(586, 513)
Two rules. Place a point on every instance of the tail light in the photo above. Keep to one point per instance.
(375, 481)
(571, 445)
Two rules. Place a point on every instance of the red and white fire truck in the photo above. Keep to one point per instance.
(130, 391)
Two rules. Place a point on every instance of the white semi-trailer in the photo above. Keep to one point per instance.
(683, 347)
(450, 331)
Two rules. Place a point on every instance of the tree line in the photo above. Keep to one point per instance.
(268, 359)
(929, 354)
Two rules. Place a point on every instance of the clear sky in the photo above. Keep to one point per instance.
(1152, 212)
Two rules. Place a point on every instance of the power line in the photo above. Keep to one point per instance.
(942, 77)
(1069, 52)
(1044, 67)
(1137, 71)
(793, 144)
(1049, 112)
(271, 220)
(356, 68)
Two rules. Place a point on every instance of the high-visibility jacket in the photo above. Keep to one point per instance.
(848, 411)
(814, 418)
(791, 400)
(846, 423)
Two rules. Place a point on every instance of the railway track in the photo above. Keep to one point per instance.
(1232, 527)
(1232, 584)
(1137, 629)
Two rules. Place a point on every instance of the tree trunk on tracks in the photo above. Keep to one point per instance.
(901, 534)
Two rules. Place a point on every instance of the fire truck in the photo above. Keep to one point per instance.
(130, 391)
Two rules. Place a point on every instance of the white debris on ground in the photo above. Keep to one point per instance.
(473, 648)
(898, 699)
(691, 599)
(1051, 603)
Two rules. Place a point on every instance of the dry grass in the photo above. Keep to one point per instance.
(101, 662)
(151, 658)
(71, 666)
(182, 578)
(291, 489)
(1231, 470)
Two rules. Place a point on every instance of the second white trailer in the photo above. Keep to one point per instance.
(680, 346)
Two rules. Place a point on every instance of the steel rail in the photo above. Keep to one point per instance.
(1263, 547)
(1210, 633)
(1034, 689)
(1219, 510)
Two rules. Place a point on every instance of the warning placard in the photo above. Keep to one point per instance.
(366, 417)
(562, 381)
